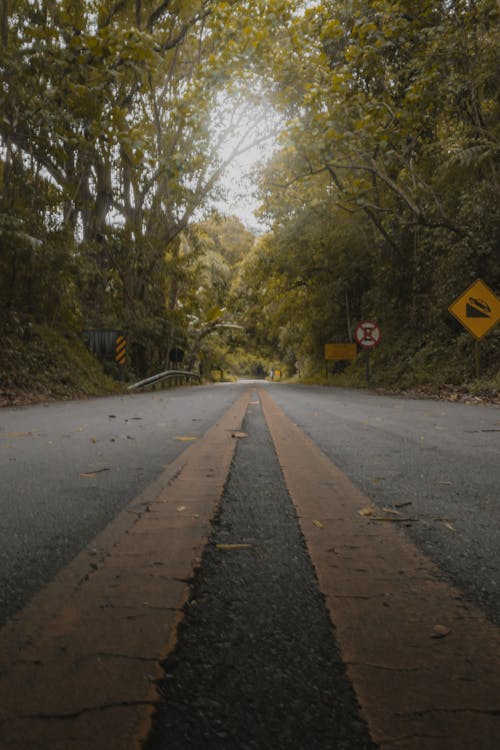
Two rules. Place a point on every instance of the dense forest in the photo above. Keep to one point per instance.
(118, 121)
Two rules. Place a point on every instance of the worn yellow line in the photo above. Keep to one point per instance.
(385, 598)
(78, 665)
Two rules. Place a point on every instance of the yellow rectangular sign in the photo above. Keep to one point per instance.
(341, 351)
(477, 309)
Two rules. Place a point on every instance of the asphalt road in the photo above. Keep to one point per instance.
(68, 468)
(295, 572)
(257, 665)
(435, 462)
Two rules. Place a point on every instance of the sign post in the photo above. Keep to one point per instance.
(478, 310)
(367, 335)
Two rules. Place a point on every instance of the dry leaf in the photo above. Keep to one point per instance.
(185, 438)
(229, 547)
(93, 473)
(181, 508)
(239, 434)
(367, 511)
(403, 519)
(449, 526)
(440, 631)
(318, 524)
(390, 510)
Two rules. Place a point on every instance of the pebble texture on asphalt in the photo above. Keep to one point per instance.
(256, 665)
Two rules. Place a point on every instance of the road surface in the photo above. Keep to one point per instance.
(388, 550)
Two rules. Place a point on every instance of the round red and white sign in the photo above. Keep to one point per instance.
(367, 334)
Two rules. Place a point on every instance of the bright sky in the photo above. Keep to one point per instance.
(239, 188)
(238, 182)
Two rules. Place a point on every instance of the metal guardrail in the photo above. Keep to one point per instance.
(167, 375)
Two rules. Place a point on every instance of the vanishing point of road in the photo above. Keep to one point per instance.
(250, 565)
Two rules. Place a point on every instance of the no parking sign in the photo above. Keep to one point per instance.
(368, 336)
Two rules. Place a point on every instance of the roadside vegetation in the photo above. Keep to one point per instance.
(381, 201)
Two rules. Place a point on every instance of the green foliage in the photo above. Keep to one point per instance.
(108, 147)
(41, 362)
(383, 200)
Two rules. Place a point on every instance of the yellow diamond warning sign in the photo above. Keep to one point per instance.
(477, 309)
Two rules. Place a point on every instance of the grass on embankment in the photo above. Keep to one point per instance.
(39, 363)
(441, 370)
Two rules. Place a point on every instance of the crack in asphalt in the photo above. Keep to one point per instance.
(76, 714)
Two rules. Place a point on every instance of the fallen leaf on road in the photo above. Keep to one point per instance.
(181, 508)
(390, 510)
(229, 547)
(88, 474)
(318, 524)
(403, 519)
(185, 438)
(449, 526)
(239, 434)
(440, 631)
(367, 511)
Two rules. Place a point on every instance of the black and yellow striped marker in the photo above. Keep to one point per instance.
(121, 350)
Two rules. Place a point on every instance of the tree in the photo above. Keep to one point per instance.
(108, 108)
(392, 120)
